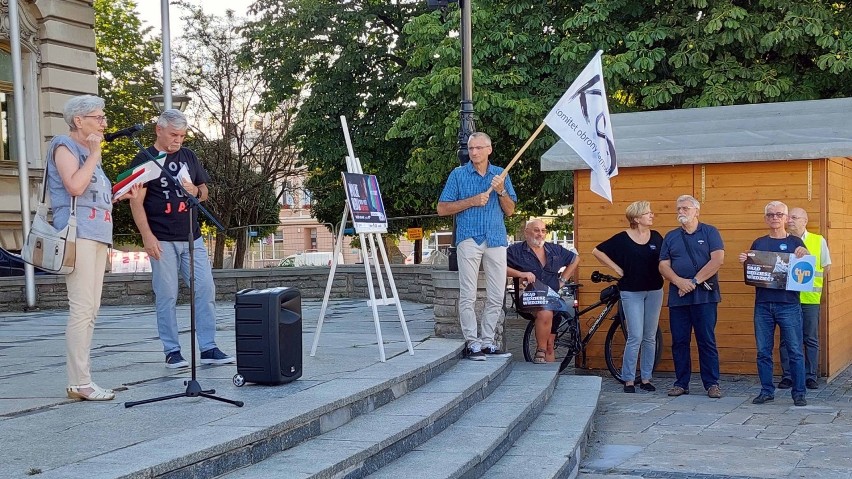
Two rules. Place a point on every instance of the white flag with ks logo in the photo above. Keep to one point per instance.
(581, 119)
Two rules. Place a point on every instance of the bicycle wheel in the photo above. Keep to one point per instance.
(566, 338)
(616, 339)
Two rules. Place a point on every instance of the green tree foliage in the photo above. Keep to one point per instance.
(657, 55)
(126, 78)
(247, 153)
(695, 53)
(343, 58)
(516, 82)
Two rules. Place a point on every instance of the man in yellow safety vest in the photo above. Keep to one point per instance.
(817, 246)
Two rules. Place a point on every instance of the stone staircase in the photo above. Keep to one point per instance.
(432, 414)
(458, 419)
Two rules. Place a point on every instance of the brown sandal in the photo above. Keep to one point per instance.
(540, 356)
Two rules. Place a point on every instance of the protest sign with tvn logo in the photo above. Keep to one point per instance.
(365, 201)
(768, 269)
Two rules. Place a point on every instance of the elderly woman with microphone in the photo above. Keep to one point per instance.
(75, 177)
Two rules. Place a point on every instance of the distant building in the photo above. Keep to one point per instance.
(58, 56)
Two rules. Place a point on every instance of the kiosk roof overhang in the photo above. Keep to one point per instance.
(800, 130)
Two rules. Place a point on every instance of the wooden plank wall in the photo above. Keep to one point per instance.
(732, 198)
(837, 326)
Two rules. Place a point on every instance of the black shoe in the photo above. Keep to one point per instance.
(475, 355)
(800, 402)
(785, 384)
(495, 352)
(762, 398)
(811, 384)
(647, 387)
(629, 389)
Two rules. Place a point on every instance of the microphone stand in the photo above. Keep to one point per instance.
(193, 388)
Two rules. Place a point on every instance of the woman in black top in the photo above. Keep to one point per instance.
(634, 254)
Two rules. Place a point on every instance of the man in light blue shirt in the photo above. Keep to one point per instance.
(480, 238)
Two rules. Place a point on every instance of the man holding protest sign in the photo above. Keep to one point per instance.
(481, 197)
(778, 307)
(537, 260)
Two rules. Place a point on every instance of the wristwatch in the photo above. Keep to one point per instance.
(501, 193)
(694, 281)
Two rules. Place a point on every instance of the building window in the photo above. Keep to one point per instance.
(313, 239)
(7, 124)
(7, 108)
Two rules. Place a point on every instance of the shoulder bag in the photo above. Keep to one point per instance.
(46, 247)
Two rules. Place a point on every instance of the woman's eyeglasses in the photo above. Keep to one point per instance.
(98, 118)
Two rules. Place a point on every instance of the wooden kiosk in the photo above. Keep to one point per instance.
(734, 160)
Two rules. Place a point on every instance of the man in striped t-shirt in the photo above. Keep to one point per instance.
(480, 238)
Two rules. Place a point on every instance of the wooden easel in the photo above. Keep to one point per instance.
(353, 165)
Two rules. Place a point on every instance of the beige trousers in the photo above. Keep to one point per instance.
(84, 286)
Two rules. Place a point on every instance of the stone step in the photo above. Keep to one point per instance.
(553, 445)
(475, 442)
(251, 434)
(373, 440)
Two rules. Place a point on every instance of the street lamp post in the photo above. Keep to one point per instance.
(466, 123)
(179, 102)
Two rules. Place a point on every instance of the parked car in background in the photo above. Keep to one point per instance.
(11, 264)
(310, 259)
(426, 258)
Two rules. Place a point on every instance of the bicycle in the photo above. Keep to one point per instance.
(569, 340)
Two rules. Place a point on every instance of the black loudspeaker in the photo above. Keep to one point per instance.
(269, 335)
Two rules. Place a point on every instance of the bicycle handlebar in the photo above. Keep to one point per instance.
(598, 277)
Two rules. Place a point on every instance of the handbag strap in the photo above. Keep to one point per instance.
(42, 203)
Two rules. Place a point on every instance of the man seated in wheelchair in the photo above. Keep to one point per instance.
(537, 260)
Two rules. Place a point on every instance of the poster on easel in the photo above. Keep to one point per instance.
(767, 269)
(365, 203)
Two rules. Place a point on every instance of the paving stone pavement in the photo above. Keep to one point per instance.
(40, 429)
(650, 435)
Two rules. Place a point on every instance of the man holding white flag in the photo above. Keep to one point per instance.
(581, 119)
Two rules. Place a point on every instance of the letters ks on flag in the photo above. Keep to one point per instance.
(581, 119)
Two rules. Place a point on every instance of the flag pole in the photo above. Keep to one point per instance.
(519, 153)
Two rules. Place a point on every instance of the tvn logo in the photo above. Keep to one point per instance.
(803, 273)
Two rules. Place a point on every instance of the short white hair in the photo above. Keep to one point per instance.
(172, 118)
(775, 204)
(81, 106)
(689, 198)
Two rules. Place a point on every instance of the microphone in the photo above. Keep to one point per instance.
(129, 131)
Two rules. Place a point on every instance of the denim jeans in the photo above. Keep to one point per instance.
(493, 260)
(788, 318)
(174, 258)
(702, 319)
(642, 312)
(810, 334)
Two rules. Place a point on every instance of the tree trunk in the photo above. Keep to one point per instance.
(240, 250)
(219, 251)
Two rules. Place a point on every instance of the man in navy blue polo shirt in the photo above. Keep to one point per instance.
(480, 238)
(778, 307)
(536, 259)
(690, 258)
